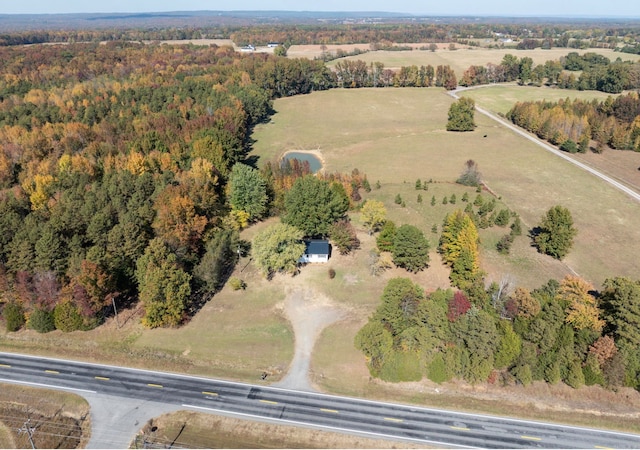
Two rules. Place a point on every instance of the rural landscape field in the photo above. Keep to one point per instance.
(300, 328)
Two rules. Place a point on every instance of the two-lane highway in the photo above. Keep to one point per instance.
(391, 421)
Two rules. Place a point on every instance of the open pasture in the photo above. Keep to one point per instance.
(398, 135)
(462, 58)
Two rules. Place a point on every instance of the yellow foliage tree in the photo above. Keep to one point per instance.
(582, 311)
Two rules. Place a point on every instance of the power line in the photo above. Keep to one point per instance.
(29, 430)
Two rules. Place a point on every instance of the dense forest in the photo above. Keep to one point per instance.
(115, 163)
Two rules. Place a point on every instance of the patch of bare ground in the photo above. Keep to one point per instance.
(188, 429)
(309, 313)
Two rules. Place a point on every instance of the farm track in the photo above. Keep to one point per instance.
(618, 185)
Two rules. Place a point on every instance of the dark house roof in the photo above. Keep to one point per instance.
(317, 247)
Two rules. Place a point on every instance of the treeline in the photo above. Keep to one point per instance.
(70, 36)
(526, 35)
(563, 331)
(357, 73)
(576, 35)
(597, 72)
(115, 166)
(572, 124)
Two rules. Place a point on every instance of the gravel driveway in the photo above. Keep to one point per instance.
(309, 314)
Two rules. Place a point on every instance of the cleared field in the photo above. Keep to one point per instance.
(460, 60)
(398, 135)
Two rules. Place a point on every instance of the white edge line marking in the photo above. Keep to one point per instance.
(52, 386)
(319, 395)
(348, 430)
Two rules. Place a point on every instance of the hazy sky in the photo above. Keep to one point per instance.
(578, 8)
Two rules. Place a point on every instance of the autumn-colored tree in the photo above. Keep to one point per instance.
(582, 311)
(373, 215)
(522, 304)
(177, 221)
(458, 306)
(459, 247)
(604, 348)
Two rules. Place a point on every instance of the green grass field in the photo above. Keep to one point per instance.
(398, 135)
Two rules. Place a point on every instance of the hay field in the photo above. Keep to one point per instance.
(460, 60)
(398, 135)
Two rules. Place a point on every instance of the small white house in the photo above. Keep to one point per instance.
(316, 251)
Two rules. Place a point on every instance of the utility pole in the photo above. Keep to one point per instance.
(113, 301)
(29, 430)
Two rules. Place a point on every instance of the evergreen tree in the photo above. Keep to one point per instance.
(410, 249)
(387, 236)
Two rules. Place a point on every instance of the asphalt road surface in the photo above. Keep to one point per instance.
(288, 407)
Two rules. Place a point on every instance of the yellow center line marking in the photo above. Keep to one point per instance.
(102, 378)
(460, 428)
(269, 402)
(209, 393)
(329, 410)
(154, 385)
(531, 438)
(5, 365)
(52, 371)
(391, 419)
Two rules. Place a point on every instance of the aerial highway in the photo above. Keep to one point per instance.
(342, 414)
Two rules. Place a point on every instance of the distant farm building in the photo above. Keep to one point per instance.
(316, 251)
(272, 44)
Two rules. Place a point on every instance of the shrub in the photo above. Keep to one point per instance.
(237, 284)
(13, 316)
(401, 366)
(344, 236)
(504, 244)
(470, 176)
(332, 273)
(41, 321)
(523, 374)
(516, 227)
(438, 370)
(66, 317)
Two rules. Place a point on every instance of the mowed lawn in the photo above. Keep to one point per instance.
(396, 136)
(462, 58)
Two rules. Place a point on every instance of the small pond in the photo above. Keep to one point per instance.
(314, 162)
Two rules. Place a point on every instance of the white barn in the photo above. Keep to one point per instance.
(316, 251)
